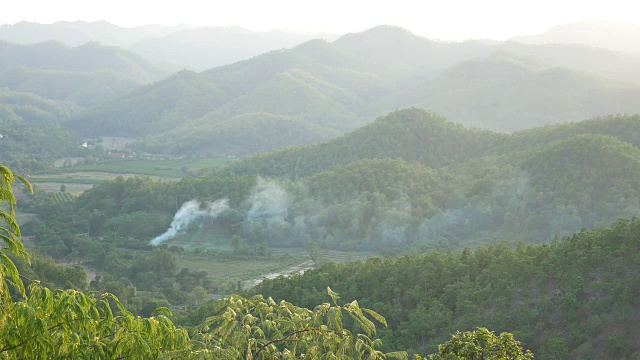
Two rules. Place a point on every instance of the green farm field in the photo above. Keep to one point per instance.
(77, 179)
(213, 254)
(165, 168)
(250, 270)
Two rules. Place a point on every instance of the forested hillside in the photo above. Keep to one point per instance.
(86, 75)
(507, 94)
(39, 322)
(323, 89)
(412, 134)
(573, 298)
(30, 132)
(409, 181)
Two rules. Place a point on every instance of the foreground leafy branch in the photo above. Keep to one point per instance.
(10, 233)
(72, 324)
(259, 328)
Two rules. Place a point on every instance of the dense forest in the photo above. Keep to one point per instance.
(584, 308)
(41, 323)
(557, 308)
(382, 187)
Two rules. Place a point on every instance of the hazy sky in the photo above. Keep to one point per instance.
(444, 19)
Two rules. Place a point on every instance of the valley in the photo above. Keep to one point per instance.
(375, 179)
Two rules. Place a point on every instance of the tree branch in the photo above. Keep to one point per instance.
(255, 357)
(31, 338)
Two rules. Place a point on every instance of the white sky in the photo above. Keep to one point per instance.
(443, 19)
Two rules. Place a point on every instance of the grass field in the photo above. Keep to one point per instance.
(243, 268)
(166, 168)
(80, 178)
(215, 257)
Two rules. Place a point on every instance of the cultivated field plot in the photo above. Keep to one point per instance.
(165, 168)
(250, 270)
(77, 179)
(76, 182)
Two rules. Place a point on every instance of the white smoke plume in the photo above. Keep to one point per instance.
(189, 212)
(268, 199)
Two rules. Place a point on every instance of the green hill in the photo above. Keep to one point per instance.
(526, 186)
(591, 175)
(614, 35)
(31, 130)
(240, 135)
(412, 134)
(86, 75)
(403, 56)
(622, 67)
(505, 94)
(152, 109)
(623, 127)
(570, 299)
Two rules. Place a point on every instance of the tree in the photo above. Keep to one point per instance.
(198, 295)
(236, 243)
(259, 328)
(10, 234)
(480, 344)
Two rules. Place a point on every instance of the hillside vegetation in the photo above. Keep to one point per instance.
(86, 75)
(409, 181)
(573, 298)
(339, 86)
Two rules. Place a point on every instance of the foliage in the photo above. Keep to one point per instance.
(74, 325)
(399, 134)
(557, 308)
(259, 328)
(481, 344)
(9, 234)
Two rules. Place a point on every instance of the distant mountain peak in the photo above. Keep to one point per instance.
(607, 34)
(380, 31)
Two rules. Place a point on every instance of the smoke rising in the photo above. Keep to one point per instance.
(189, 212)
(268, 199)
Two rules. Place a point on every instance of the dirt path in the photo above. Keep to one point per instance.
(297, 269)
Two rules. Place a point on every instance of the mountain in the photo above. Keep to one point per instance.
(613, 35)
(406, 56)
(506, 94)
(342, 85)
(240, 135)
(30, 129)
(155, 108)
(605, 63)
(86, 75)
(412, 134)
(171, 48)
(263, 84)
(207, 47)
(81, 32)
